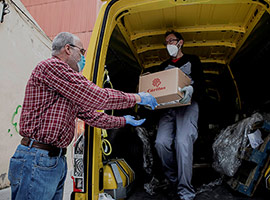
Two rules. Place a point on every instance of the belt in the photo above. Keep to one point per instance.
(53, 151)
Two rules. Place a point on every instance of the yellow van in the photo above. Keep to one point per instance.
(232, 40)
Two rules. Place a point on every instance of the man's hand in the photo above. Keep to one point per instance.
(132, 121)
(188, 91)
(147, 100)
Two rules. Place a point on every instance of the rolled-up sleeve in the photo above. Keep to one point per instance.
(75, 87)
(101, 120)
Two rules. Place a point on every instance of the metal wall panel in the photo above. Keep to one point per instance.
(38, 2)
(75, 16)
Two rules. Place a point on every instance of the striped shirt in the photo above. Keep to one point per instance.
(56, 95)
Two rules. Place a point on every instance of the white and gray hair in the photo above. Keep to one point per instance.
(61, 40)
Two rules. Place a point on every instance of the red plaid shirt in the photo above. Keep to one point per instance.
(55, 95)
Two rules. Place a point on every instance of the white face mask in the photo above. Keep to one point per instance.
(173, 49)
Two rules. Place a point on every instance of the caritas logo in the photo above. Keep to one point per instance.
(156, 83)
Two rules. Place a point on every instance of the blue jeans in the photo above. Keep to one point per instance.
(35, 175)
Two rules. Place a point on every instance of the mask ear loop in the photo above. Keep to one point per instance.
(179, 46)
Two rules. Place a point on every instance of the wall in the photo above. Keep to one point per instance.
(75, 16)
(22, 45)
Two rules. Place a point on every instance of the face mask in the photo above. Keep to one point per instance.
(81, 63)
(173, 49)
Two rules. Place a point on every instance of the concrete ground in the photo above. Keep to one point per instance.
(5, 194)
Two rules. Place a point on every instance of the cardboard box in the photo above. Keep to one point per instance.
(165, 86)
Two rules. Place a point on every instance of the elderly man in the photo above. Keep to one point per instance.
(56, 94)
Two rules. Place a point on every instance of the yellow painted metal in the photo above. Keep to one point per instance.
(204, 23)
(254, 17)
(128, 170)
(97, 163)
(110, 182)
(92, 47)
(188, 44)
(80, 196)
(96, 160)
(217, 95)
(109, 179)
(267, 178)
(212, 23)
(127, 36)
(211, 72)
(202, 28)
(112, 178)
(88, 72)
(213, 61)
(238, 100)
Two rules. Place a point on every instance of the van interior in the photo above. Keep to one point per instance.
(232, 41)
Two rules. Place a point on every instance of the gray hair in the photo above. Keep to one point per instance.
(61, 40)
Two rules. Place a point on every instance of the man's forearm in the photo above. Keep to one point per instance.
(138, 98)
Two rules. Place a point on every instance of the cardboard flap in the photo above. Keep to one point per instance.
(146, 73)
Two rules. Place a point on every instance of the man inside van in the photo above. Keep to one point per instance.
(56, 94)
(178, 127)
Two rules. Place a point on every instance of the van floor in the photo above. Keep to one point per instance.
(204, 180)
(218, 193)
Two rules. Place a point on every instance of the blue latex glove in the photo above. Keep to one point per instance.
(132, 121)
(148, 100)
(188, 91)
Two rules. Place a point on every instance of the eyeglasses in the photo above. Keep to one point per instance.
(170, 41)
(82, 50)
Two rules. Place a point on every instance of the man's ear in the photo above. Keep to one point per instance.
(181, 42)
(67, 49)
